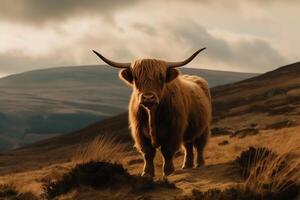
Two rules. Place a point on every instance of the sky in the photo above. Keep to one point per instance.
(240, 35)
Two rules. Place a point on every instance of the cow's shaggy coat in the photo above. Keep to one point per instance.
(180, 116)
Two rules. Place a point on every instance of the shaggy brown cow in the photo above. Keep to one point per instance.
(166, 110)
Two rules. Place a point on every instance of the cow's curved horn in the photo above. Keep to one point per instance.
(182, 63)
(112, 63)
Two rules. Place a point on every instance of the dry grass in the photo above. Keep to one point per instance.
(270, 176)
(275, 173)
(101, 149)
(219, 172)
(254, 158)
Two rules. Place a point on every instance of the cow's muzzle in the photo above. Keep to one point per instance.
(148, 99)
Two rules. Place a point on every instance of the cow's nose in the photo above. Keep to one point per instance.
(148, 99)
(148, 96)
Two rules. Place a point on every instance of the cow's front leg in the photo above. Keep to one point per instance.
(168, 152)
(148, 153)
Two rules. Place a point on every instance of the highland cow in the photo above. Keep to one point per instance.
(166, 110)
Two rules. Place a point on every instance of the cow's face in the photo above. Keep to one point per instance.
(148, 77)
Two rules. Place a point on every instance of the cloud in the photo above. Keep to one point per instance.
(236, 40)
(149, 30)
(175, 42)
(42, 11)
(249, 54)
(17, 61)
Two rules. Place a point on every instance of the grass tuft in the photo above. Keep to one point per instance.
(101, 149)
(270, 175)
(253, 157)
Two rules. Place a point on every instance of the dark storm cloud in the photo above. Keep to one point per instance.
(40, 11)
(250, 54)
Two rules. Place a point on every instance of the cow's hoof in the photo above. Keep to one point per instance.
(167, 173)
(168, 170)
(147, 175)
(187, 166)
(200, 165)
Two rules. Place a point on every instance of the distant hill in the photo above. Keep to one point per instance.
(39, 104)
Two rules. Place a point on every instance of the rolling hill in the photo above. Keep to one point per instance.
(269, 102)
(43, 103)
(226, 99)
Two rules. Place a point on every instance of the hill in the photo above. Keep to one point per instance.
(43, 103)
(271, 96)
(235, 109)
(266, 101)
(251, 104)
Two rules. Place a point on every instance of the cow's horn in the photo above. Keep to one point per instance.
(182, 63)
(112, 63)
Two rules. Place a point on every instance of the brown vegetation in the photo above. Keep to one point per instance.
(100, 175)
(274, 175)
(262, 100)
(102, 148)
(269, 176)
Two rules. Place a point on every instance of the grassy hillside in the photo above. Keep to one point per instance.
(271, 99)
(242, 127)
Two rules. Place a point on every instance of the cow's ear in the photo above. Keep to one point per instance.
(171, 74)
(126, 76)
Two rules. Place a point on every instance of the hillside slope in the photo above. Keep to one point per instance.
(228, 97)
(268, 100)
(273, 91)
